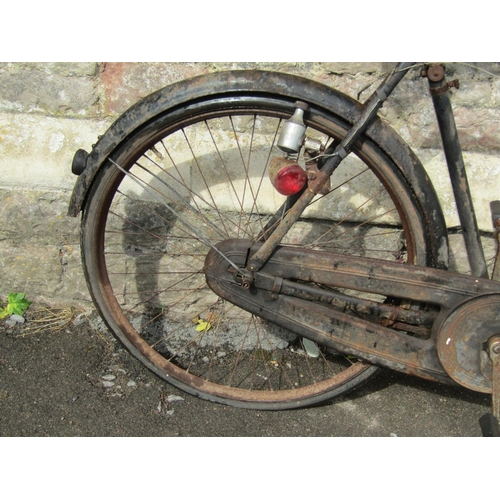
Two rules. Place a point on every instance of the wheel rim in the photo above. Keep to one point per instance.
(146, 264)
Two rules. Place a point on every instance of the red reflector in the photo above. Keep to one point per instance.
(287, 177)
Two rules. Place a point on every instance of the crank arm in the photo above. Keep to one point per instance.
(490, 422)
(494, 353)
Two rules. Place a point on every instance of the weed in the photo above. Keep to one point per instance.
(16, 304)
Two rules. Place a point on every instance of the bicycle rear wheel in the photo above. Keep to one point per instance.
(198, 175)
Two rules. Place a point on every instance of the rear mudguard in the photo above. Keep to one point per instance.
(291, 87)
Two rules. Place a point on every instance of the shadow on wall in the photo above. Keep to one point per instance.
(221, 196)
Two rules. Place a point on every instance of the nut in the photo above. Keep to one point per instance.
(435, 73)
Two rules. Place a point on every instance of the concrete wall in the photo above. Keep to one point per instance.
(47, 111)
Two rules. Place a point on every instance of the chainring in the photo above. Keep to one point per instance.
(461, 341)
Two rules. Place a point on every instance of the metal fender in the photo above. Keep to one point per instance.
(263, 82)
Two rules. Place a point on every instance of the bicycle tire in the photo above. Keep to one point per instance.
(136, 246)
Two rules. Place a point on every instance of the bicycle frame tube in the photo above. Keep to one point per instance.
(458, 176)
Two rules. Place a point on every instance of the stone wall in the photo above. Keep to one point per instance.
(48, 111)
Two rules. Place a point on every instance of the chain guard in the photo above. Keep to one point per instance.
(271, 294)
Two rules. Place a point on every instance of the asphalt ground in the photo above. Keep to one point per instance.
(76, 380)
(52, 384)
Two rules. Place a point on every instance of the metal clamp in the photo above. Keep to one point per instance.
(436, 73)
(448, 85)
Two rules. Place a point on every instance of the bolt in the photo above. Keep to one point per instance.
(436, 73)
(302, 105)
(246, 282)
(311, 175)
(494, 344)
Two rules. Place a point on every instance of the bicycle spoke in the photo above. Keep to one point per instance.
(203, 179)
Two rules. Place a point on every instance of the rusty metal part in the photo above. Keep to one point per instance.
(458, 174)
(242, 277)
(434, 72)
(496, 265)
(447, 86)
(325, 325)
(317, 181)
(389, 314)
(310, 312)
(494, 354)
(385, 278)
(495, 212)
(490, 422)
(265, 251)
(463, 339)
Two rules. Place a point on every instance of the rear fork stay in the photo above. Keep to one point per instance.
(321, 177)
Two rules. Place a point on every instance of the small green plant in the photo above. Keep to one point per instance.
(16, 304)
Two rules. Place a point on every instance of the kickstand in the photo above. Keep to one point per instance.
(489, 422)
